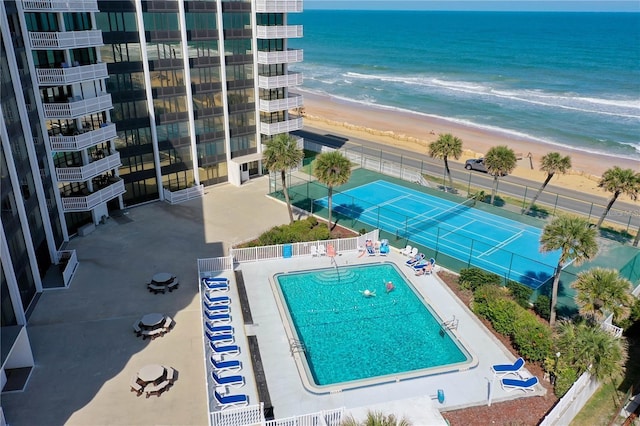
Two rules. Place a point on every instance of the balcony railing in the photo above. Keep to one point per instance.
(77, 107)
(83, 139)
(81, 174)
(293, 101)
(60, 5)
(65, 40)
(279, 31)
(292, 79)
(280, 127)
(58, 76)
(281, 57)
(86, 203)
(278, 6)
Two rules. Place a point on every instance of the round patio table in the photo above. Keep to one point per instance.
(152, 320)
(162, 278)
(151, 373)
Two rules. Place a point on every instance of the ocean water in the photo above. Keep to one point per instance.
(569, 79)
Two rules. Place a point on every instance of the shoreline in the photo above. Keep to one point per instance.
(414, 131)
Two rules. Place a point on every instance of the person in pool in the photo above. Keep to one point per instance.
(389, 287)
(368, 293)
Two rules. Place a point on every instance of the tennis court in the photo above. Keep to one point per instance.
(494, 243)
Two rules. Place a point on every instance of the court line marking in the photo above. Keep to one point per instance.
(502, 244)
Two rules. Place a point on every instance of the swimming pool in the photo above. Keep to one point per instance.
(351, 340)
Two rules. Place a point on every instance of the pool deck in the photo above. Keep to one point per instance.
(408, 398)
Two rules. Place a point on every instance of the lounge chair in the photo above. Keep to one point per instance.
(415, 260)
(218, 329)
(413, 252)
(235, 380)
(384, 247)
(218, 286)
(219, 338)
(230, 365)
(516, 384)
(371, 251)
(226, 350)
(405, 251)
(215, 280)
(218, 309)
(217, 300)
(504, 369)
(231, 401)
(322, 250)
(314, 251)
(217, 317)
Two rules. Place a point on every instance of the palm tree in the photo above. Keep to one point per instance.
(619, 181)
(576, 241)
(446, 146)
(552, 163)
(499, 161)
(282, 154)
(376, 418)
(332, 169)
(588, 347)
(601, 290)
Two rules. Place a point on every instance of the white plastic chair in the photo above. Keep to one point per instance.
(314, 251)
(405, 251)
(322, 250)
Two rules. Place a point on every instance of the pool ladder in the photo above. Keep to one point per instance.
(452, 324)
(296, 346)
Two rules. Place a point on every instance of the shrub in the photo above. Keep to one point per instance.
(542, 306)
(299, 231)
(532, 338)
(520, 293)
(565, 378)
(471, 278)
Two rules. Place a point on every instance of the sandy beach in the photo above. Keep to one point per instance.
(415, 132)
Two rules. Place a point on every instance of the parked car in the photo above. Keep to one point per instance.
(475, 164)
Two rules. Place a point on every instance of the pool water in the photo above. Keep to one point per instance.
(349, 337)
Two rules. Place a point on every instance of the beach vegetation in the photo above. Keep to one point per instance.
(577, 243)
(332, 169)
(542, 306)
(619, 181)
(500, 161)
(520, 293)
(552, 163)
(376, 418)
(472, 278)
(444, 147)
(601, 291)
(281, 155)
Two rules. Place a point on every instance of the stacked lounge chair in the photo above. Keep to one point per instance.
(231, 401)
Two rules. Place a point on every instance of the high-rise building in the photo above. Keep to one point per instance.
(107, 104)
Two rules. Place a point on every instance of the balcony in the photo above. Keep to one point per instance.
(279, 31)
(292, 101)
(84, 173)
(65, 40)
(281, 57)
(290, 80)
(278, 6)
(83, 139)
(60, 76)
(271, 129)
(90, 201)
(77, 107)
(60, 5)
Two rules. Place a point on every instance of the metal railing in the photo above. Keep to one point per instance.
(70, 268)
(281, 126)
(278, 6)
(252, 254)
(77, 107)
(280, 57)
(214, 264)
(86, 172)
(57, 76)
(607, 325)
(60, 5)
(293, 100)
(182, 195)
(290, 80)
(279, 31)
(83, 139)
(86, 203)
(65, 39)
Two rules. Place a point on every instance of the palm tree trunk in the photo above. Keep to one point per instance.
(535, 198)
(637, 239)
(554, 295)
(446, 168)
(285, 190)
(494, 190)
(606, 211)
(330, 204)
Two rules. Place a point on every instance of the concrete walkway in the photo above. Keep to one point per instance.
(83, 342)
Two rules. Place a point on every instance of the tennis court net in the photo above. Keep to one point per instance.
(418, 225)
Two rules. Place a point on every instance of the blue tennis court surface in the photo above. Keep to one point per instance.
(493, 243)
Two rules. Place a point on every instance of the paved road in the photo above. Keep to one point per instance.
(624, 214)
